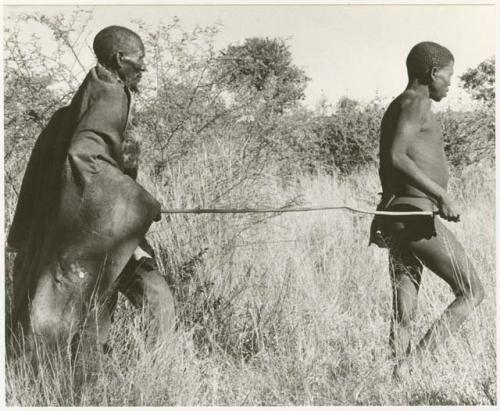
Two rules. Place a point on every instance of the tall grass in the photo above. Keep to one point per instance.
(283, 310)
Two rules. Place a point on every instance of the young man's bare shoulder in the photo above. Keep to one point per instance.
(413, 103)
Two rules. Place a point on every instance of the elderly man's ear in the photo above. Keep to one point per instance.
(117, 60)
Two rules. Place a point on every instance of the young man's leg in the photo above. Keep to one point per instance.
(444, 255)
(406, 275)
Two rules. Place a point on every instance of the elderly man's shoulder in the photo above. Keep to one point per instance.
(101, 87)
(103, 83)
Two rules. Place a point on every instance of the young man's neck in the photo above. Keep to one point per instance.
(419, 88)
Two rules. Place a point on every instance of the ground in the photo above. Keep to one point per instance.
(292, 311)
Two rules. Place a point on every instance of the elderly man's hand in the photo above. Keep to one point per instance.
(140, 253)
(157, 217)
(157, 211)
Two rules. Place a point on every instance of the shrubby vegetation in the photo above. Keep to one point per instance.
(480, 81)
(247, 96)
(228, 127)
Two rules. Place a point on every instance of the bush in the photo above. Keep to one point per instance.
(348, 139)
(469, 136)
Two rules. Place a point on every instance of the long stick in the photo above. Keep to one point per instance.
(290, 210)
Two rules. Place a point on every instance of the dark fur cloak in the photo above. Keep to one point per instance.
(79, 217)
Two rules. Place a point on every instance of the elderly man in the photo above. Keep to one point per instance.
(414, 176)
(79, 218)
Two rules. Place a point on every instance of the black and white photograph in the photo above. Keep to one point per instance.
(249, 204)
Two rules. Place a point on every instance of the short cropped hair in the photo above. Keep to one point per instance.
(426, 55)
(111, 40)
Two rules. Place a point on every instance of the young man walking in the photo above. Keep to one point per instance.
(414, 176)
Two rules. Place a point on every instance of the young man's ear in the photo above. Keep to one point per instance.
(433, 73)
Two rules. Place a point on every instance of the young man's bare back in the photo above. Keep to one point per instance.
(414, 176)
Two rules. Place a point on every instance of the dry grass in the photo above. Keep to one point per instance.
(293, 310)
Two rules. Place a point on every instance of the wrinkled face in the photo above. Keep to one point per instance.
(131, 65)
(440, 82)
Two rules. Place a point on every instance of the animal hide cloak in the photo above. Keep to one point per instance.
(79, 217)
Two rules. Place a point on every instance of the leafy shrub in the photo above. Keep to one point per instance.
(480, 82)
(469, 136)
(348, 139)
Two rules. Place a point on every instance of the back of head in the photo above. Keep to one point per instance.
(113, 39)
(424, 56)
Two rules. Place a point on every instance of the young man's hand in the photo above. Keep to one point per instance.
(448, 210)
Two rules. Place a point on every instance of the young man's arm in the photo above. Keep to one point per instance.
(413, 112)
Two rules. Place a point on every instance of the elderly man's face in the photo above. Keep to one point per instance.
(132, 66)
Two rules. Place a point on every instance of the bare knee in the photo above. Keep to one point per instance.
(160, 299)
(47, 325)
(51, 318)
(473, 292)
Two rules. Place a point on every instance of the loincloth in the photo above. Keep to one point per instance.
(389, 231)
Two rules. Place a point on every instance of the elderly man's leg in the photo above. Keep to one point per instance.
(406, 275)
(445, 256)
(19, 318)
(69, 306)
(142, 283)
